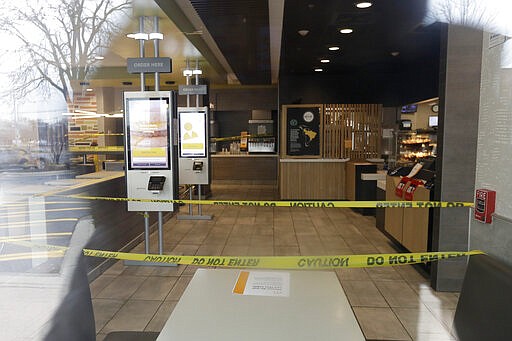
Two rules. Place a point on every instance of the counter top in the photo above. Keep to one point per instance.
(314, 160)
(243, 155)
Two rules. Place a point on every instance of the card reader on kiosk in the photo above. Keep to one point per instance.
(197, 166)
(156, 183)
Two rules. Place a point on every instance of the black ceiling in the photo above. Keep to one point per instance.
(240, 28)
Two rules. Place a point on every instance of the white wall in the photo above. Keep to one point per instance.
(494, 153)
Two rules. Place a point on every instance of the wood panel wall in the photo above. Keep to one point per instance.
(312, 180)
(352, 131)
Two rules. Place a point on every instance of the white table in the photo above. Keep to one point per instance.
(316, 309)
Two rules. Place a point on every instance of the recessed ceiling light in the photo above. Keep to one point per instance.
(334, 48)
(99, 57)
(303, 32)
(319, 69)
(395, 53)
(346, 30)
(364, 4)
(324, 60)
(89, 89)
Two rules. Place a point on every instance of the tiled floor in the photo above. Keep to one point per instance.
(392, 303)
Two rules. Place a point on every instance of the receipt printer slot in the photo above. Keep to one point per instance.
(197, 166)
(156, 183)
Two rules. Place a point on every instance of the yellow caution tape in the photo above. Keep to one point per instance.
(266, 262)
(288, 262)
(321, 204)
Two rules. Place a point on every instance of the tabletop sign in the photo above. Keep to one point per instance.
(303, 131)
(263, 283)
(149, 65)
(192, 89)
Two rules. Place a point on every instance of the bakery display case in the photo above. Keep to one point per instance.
(414, 146)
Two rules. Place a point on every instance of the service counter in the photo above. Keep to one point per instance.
(408, 226)
(312, 179)
(244, 169)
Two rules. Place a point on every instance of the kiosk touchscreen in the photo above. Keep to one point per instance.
(148, 149)
(193, 146)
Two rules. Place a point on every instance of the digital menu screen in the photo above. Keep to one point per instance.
(192, 134)
(148, 133)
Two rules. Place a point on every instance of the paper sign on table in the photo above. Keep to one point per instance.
(263, 283)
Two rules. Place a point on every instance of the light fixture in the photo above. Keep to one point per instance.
(319, 69)
(395, 53)
(364, 4)
(197, 72)
(89, 89)
(187, 72)
(99, 57)
(303, 32)
(156, 35)
(346, 30)
(138, 36)
(334, 48)
(325, 61)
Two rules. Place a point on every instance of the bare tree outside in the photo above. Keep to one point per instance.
(470, 13)
(60, 41)
(56, 45)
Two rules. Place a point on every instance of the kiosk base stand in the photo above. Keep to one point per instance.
(146, 242)
(191, 215)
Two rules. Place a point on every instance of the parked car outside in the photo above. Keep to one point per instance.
(12, 157)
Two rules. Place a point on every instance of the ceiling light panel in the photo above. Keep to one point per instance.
(364, 4)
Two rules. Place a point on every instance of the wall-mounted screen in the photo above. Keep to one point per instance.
(432, 121)
(411, 108)
(148, 133)
(192, 134)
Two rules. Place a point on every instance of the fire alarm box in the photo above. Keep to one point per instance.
(485, 202)
(399, 190)
(409, 192)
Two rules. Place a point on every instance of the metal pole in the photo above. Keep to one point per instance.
(146, 231)
(188, 83)
(190, 205)
(197, 83)
(156, 44)
(141, 53)
(160, 233)
(199, 207)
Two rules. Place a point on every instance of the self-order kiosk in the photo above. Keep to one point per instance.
(150, 149)
(193, 146)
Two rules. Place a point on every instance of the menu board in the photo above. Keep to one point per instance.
(303, 131)
(148, 133)
(192, 134)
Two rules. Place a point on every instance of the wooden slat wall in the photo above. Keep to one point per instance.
(357, 131)
(350, 131)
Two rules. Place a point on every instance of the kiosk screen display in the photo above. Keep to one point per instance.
(192, 134)
(148, 133)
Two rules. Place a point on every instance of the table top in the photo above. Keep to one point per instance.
(315, 309)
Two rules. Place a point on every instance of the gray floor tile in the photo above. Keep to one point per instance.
(104, 310)
(363, 294)
(421, 322)
(178, 288)
(162, 315)
(380, 324)
(134, 315)
(100, 283)
(122, 287)
(155, 288)
(399, 294)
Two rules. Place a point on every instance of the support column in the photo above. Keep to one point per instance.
(459, 98)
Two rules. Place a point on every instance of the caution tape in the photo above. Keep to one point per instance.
(265, 262)
(312, 204)
(288, 262)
